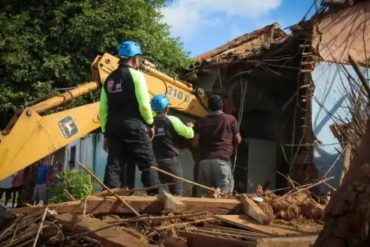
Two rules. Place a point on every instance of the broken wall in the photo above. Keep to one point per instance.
(342, 33)
(335, 36)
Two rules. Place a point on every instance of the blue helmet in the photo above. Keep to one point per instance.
(159, 102)
(129, 48)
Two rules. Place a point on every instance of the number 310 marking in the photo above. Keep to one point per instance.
(176, 93)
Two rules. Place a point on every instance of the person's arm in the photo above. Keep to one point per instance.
(236, 132)
(103, 109)
(237, 139)
(142, 96)
(195, 141)
(181, 128)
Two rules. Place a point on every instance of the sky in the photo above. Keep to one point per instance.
(203, 25)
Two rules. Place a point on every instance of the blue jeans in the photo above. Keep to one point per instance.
(215, 173)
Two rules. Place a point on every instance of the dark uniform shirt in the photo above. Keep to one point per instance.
(124, 97)
(169, 130)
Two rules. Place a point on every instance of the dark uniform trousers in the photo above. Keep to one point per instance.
(129, 145)
(173, 166)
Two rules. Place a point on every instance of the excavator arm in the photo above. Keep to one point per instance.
(32, 134)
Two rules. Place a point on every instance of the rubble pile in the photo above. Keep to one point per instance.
(347, 214)
(300, 205)
(100, 220)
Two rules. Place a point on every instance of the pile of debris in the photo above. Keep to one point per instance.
(258, 219)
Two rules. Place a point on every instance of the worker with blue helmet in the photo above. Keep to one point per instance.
(159, 103)
(169, 131)
(129, 49)
(126, 120)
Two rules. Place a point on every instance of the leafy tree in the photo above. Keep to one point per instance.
(46, 45)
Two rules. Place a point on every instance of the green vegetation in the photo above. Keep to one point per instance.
(75, 182)
(48, 45)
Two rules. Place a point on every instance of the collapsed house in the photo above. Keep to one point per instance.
(288, 91)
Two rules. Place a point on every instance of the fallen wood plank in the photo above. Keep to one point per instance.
(171, 203)
(119, 198)
(143, 204)
(246, 222)
(127, 192)
(301, 241)
(196, 239)
(118, 191)
(111, 237)
(199, 238)
(252, 209)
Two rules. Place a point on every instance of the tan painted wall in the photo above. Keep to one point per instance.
(345, 32)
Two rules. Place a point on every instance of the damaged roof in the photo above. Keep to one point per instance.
(245, 45)
(334, 33)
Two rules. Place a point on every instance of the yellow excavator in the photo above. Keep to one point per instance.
(32, 134)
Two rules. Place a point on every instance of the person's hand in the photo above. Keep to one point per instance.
(151, 132)
(105, 145)
(190, 124)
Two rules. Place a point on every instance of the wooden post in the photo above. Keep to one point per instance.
(171, 203)
(108, 189)
(69, 195)
(40, 227)
(252, 209)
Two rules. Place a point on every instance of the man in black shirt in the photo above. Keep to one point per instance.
(169, 130)
(126, 119)
(216, 135)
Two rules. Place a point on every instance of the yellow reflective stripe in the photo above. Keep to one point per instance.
(103, 109)
(142, 95)
(181, 128)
